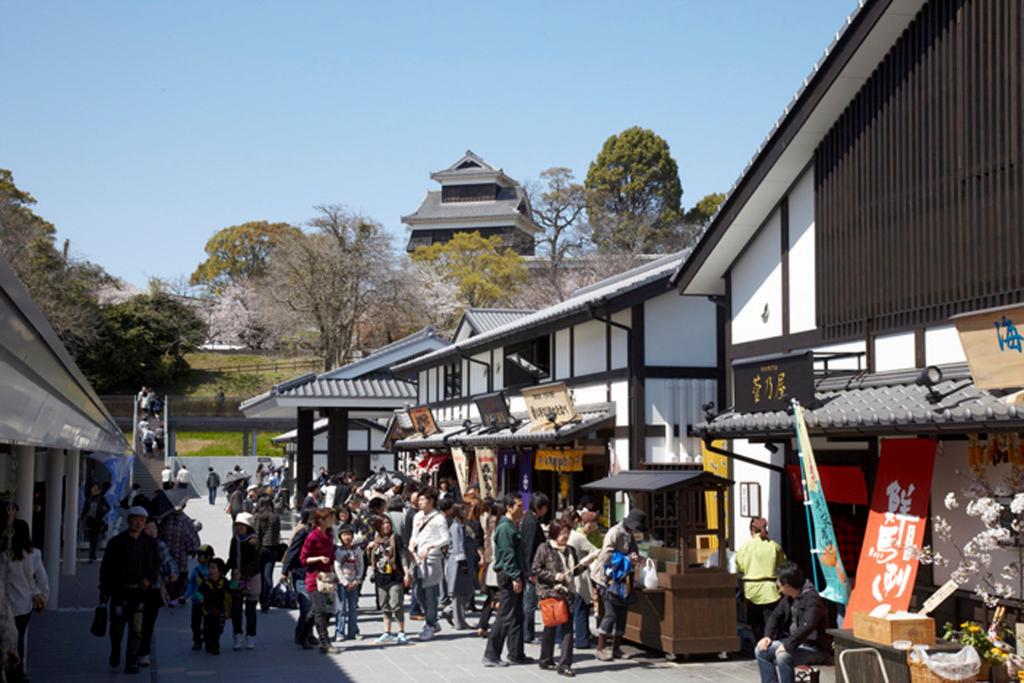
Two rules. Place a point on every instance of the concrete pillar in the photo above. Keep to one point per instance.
(73, 464)
(51, 543)
(252, 444)
(303, 454)
(338, 457)
(26, 482)
(245, 443)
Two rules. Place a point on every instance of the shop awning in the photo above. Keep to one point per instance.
(883, 403)
(653, 481)
(432, 462)
(524, 433)
(840, 483)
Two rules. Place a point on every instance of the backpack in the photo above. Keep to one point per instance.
(618, 573)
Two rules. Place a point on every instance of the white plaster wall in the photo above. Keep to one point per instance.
(499, 368)
(435, 384)
(620, 339)
(894, 351)
(516, 404)
(843, 363)
(772, 488)
(358, 441)
(801, 254)
(673, 402)
(562, 350)
(620, 397)
(679, 330)
(942, 345)
(590, 348)
(478, 374)
(590, 393)
(422, 388)
(756, 282)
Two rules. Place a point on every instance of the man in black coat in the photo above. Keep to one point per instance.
(533, 538)
(795, 632)
(130, 567)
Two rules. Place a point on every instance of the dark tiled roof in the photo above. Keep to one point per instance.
(311, 386)
(510, 203)
(486, 319)
(651, 481)
(882, 403)
(454, 434)
(369, 363)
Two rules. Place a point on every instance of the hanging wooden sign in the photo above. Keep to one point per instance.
(423, 420)
(994, 346)
(771, 384)
(568, 460)
(549, 406)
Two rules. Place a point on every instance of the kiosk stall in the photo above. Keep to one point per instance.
(693, 610)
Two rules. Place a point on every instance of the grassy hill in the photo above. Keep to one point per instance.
(238, 374)
(223, 443)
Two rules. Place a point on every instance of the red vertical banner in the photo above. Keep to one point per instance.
(896, 524)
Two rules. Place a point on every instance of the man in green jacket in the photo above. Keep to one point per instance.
(512, 570)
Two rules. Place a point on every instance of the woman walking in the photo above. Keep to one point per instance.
(317, 557)
(458, 570)
(244, 563)
(268, 529)
(388, 557)
(29, 589)
(556, 565)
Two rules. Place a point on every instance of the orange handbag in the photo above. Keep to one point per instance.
(554, 612)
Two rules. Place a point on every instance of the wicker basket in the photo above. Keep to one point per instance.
(920, 673)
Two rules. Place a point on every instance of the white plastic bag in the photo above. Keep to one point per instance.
(649, 575)
(955, 666)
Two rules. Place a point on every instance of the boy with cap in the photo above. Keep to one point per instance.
(214, 595)
(200, 572)
(244, 564)
(130, 567)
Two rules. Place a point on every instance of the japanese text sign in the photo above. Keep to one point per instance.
(423, 420)
(896, 526)
(461, 463)
(487, 471)
(569, 460)
(549, 406)
(770, 385)
(493, 410)
(994, 346)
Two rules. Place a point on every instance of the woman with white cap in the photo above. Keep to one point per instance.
(244, 564)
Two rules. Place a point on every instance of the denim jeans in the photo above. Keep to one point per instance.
(427, 599)
(302, 626)
(776, 667)
(348, 613)
(581, 622)
(213, 496)
(529, 612)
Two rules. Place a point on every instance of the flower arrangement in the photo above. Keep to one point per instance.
(991, 647)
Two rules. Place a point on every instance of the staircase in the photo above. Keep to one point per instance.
(146, 473)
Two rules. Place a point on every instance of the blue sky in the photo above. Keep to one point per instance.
(143, 128)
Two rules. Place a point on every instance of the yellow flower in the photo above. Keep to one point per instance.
(974, 628)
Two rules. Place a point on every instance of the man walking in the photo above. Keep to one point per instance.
(184, 477)
(212, 484)
(511, 568)
(130, 567)
(533, 538)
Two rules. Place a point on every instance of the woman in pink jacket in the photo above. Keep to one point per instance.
(321, 582)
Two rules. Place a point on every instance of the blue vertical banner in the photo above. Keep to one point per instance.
(822, 536)
(526, 475)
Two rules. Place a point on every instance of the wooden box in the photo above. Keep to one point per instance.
(919, 630)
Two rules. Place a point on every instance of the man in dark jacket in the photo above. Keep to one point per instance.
(512, 570)
(293, 570)
(130, 567)
(94, 514)
(212, 484)
(795, 632)
(533, 538)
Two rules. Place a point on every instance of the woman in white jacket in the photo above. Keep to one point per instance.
(429, 540)
(29, 585)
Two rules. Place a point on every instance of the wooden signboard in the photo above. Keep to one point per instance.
(549, 406)
(770, 385)
(423, 420)
(494, 410)
(568, 460)
(994, 347)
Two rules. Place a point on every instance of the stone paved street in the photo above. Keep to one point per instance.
(61, 648)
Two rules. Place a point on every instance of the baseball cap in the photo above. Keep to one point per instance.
(138, 511)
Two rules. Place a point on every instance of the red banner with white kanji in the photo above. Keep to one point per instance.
(899, 512)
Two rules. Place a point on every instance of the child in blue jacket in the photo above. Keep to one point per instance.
(199, 573)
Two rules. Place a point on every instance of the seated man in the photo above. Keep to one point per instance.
(795, 631)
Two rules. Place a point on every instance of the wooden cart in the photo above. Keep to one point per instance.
(693, 610)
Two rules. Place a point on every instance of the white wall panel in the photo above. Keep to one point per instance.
(620, 339)
(590, 393)
(678, 402)
(894, 351)
(477, 372)
(499, 368)
(590, 347)
(942, 345)
(771, 488)
(562, 352)
(679, 330)
(620, 396)
(801, 254)
(757, 287)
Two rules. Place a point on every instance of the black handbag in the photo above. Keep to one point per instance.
(99, 622)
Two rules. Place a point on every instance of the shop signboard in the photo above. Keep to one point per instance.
(552, 460)
(487, 472)
(509, 458)
(771, 384)
(718, 465)
(423, 420)
(494, 410)
(994, 346)
(896, 525)
(549, 406)
(461, 463)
